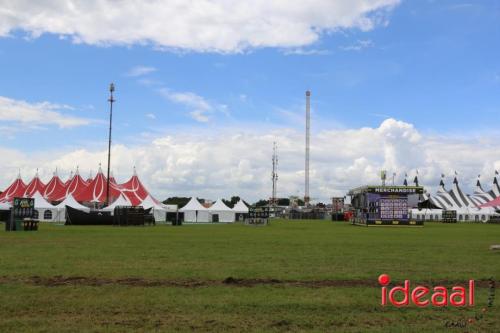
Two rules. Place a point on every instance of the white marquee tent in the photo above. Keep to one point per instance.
(121, 201)
(159, 211)
(46, 211)
(71, 202)
(223, 212)
(5, 206)
(195, 212)
(240, 207)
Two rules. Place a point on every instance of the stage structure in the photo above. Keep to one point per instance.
(384, 205)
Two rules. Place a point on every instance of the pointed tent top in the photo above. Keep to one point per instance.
(71, 202)
(455, 181)
(77, 172)
(40, 201)
(135, 171)
(100, 168)
(19, 174)
(219, 205)
(495, 181)
(151, 202)
(121, 201)
(416, 180)
(405, 183)
(441, 183)
(193, 204)
(240, 207)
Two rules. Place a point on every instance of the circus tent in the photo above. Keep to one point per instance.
(134, 190)
(96, 190)
(76, 185)
(35, 185)
(16, 189)
(55, 189)
(468, 207)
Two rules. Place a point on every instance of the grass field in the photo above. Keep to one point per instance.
(289, 276)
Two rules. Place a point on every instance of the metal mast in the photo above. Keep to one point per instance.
(308, 138)
(274, 175)
(111, 100)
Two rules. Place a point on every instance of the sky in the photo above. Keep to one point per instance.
(204, 88)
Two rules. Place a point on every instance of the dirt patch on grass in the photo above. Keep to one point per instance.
(56, 281)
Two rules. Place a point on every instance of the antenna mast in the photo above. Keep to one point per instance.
(274, 175)
(308, 139)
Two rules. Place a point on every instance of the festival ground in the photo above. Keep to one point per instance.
(289, 276)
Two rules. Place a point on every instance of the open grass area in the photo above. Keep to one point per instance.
(289, 276)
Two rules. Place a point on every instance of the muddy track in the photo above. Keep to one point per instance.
(56, 281)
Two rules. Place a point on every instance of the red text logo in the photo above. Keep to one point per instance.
(422, 296)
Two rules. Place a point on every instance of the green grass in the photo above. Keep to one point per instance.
(287, 251)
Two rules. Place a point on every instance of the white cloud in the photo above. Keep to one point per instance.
(307, 52)
(200, 108)
(203, 25)
(358, 45)
(225, 162)
(26, 114)
(151, 116)
(140, 71)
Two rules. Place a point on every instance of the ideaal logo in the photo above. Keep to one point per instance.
(459, 296)
(422, 296)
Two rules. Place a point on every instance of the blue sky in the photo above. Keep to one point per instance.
(432, 64)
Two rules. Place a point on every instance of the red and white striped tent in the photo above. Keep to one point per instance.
(16, 189)
(55, 189)
(95, 192)
(134, 190)
(89, 193)
(35, 185)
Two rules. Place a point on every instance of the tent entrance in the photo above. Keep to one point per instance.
(215, 217)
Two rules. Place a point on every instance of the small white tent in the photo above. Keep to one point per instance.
(71, 202)
(159, 212)
(121, 201)
(240, 207)
(46, 211)
(195, 212)
(221, 213)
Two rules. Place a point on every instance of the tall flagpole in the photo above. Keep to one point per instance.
(111, 100)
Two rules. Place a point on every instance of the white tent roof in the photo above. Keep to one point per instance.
(4, 206)
(219, 206)
(240, 207)
(121, 201)
(150, 203)
(192, 205)
(71, 202)
(40, 202)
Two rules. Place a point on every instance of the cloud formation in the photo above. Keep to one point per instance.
(201, 26)
(229, 162)
(25, 114)
(140, 71)
(200, 109)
